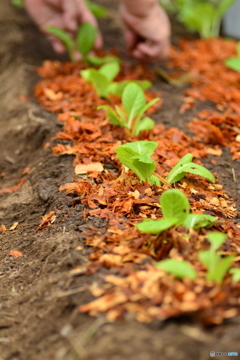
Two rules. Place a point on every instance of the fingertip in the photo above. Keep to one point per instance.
(58, 47)
(99, 42)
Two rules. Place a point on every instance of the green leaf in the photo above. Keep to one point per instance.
(235, 275)
(174, 204)
(86, 37)
(110, 71)
(64, 37)
(208, 259)
(186, 159)
(221, 269)
(133, 99)
(155, 180)
(143, 169)
(224, 5)
(233, 63)
(145, 108)
(97, 10)
(117, 88)
(18, 3)
(238, 49)
(135, 156)
(148, 226)
(98, 80)
(115, 120)
(180, 269)
(141, 147)
(98, 61)
(186, 166)
(216, 239)
(121, 114)
(145, 124)
(197, 221)
(217, 266)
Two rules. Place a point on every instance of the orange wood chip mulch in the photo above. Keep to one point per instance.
(133, 284)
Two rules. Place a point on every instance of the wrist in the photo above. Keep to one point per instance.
(140, 8)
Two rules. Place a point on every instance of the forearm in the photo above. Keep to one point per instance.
(139, 7)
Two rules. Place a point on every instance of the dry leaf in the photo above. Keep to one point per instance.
(81, 169)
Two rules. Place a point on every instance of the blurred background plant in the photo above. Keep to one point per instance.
(200, 16)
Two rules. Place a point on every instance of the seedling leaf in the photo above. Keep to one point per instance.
(64, 37)
(18, 3)
(99, 61)
(115, 120)
(216, 239)
(110, 71)
(141, 147)
(155, 180)
(97, 10)
(86, 38)
(197, 221)
(233, 63)
(133, 100)
(175, 204)
(135, 156)
(180, 269)
(148, 226)
(235, 275)
(144, 170)
(221, 269)
(145, 124)
(184, 166)
(98, 80)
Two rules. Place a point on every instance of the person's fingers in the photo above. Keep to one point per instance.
(130, 39)
(69, 13)
(154, 51)
(56, 44)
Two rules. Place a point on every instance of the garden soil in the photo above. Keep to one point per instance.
(39, 294)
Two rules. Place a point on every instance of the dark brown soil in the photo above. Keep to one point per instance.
(39, 296)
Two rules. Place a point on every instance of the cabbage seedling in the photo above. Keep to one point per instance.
(234, 62)
(175, 209)
(65, 39)
(179, 268)
(185, 165)
(102, 80)
(203, 16)
(84, 43)
(18, 3)
(136, 157)
(235, 275)
(216, 265)
(134, 105)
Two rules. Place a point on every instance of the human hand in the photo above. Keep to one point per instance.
(64, 14)
(147, 36)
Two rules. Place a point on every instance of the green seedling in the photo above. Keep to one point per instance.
(235, 275)
(66, 40)
(134, 105)
(102, 80)
(216, 265)
(18, 3)
(234, 63)
(175, 209)
(85, 39)
(97, 10)
(136, 157)
(185, 165)
(179, 268)
(203, 16)
(83, 43)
